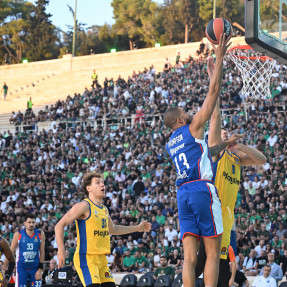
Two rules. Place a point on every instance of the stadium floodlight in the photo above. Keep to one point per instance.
(25, 61)
(157, 45)
(113, 50)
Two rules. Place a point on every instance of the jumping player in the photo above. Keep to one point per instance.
(6, 250)
(94, 226)
(29, 244)
(227, 167)
(199, 207)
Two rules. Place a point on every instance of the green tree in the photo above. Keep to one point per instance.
(169, 15)
(135, 19)
(231, 10)
(5, 10)
(171, 28)
(109, 37)
(206, 11)
(189, 9)
(13, 15)
(40, 35)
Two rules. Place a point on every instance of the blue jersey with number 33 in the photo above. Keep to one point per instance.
(28, 251)
(191, 156)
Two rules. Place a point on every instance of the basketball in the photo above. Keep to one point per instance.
(215, 28)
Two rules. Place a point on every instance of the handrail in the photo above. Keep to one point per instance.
(105, 121)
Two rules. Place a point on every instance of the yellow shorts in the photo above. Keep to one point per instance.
(92, 269)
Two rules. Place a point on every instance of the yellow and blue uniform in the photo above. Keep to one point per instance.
(227, 180)
(93, 243)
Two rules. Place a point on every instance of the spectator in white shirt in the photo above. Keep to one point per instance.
(256, 182)
(120, 177)
(13, 196)
(272, 140)
(47, 205)
(265, 280)
(170, 233)
(249, 264)
(276, 271)
(263, 182)
(156, 258)
(259, 248)
(158, 88)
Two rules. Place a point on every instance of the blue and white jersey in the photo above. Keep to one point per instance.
(191, 156)
(28, 251)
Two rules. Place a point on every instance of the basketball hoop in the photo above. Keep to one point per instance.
(256, 70)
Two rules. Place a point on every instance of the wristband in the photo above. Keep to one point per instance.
(41, 265)
(9, 272)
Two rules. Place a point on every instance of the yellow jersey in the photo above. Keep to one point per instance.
(227, 182)
(93, 235)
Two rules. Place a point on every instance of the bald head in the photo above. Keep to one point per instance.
(170, 116)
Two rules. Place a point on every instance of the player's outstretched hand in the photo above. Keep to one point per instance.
(61, 258)
(38, 275)
(234, 138)
(144, 226)
(222, 47)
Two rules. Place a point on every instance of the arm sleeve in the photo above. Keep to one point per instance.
(279, 273)
(231, 253)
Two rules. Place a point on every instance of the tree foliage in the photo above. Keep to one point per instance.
(13, 15)
(26, 30)
(40, 34)
(136, 20)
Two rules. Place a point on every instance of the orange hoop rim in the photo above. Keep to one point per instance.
(247, 47)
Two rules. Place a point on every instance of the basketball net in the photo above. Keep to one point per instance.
(255, 69)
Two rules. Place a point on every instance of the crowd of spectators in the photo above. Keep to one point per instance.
(41, 172)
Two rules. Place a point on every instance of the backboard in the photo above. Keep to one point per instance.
(266, 27)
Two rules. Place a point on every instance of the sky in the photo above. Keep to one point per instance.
(91, 12)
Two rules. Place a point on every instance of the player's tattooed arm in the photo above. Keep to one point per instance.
(215, 150)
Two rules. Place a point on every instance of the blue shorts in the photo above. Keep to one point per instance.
(24, 275)
(199, 209)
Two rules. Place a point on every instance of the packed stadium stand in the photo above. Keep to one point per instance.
(116, 129)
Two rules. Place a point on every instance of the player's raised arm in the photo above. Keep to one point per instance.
(201, 117)
(248, 155)
(214, 135)
(78, 211)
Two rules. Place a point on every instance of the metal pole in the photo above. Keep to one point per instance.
(214, 9)
(75, 27)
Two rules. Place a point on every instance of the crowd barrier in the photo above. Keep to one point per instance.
(104, 122)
